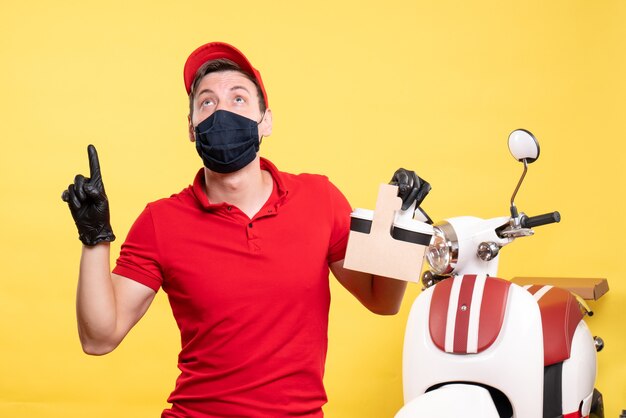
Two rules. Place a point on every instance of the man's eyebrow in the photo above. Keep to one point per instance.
(203, 91)
(239, 88)
(233, 88)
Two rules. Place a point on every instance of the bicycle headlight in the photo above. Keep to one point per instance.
(442, 253)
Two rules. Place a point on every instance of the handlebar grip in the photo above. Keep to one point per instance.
(546, 218)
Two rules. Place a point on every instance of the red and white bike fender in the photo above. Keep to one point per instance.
(463, 344)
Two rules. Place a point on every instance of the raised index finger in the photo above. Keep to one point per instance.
(94, 166)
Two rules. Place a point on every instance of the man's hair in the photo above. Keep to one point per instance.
(219, 65)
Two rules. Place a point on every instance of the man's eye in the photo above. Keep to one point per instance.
(206, 102)
(239, 99)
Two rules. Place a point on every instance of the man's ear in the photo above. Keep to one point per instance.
(265, 127)
(192, 131)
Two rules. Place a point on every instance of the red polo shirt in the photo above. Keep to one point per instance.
(250, 296)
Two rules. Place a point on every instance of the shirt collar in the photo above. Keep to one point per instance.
(199, 187)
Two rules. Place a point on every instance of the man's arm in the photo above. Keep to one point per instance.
(107, 305)
(381, 295)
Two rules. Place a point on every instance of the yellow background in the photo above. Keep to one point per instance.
(358, 88)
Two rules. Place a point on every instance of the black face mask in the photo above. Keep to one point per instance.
(226, 141)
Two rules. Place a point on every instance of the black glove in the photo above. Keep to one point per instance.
(89, 204)
(411, 188)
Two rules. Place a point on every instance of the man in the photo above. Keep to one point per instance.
(243, 255)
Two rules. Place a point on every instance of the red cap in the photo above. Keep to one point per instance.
(217, 50)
